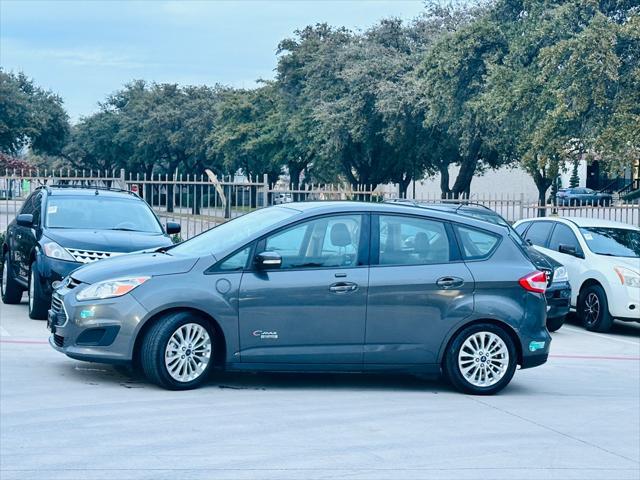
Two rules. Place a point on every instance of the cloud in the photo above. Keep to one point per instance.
(77, 56)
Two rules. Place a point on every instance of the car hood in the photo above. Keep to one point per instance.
(107, 240)
(629, 262)
(143, 264)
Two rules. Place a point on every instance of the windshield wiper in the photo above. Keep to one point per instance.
(124, 229)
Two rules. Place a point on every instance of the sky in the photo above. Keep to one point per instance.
(86, 50)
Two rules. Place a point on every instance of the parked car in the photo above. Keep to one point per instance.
(316, 286)
(558, 291)
(280, 198)
(603, 262)
(582, 196)
(60, 229)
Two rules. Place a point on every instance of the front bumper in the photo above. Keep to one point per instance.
(51, 270)
(98, 331)
(558, 297)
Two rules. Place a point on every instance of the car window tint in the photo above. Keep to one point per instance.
(237, 261)
(27, 206)
(319, 243)
(521, 228)
(37, 208)
(412, 241)
(538, 233)
(476, 244)
(562, 235)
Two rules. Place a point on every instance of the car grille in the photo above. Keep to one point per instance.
(57, 308)
(58, 340)
(88, 256)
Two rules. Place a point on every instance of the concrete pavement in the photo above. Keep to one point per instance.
(575, 417)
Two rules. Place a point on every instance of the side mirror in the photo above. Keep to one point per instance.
(569, 250)
(266, 260)
(25, 220)
(529, 242)
(173, 228)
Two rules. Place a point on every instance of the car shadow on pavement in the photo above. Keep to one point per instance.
(627, 329)
(100, 374)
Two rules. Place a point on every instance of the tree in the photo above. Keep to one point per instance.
(452, 81)
(245, 136)
(30, 117)
(574, 180)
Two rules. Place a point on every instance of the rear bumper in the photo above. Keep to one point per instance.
(534, 360)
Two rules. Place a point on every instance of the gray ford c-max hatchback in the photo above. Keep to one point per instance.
(318, 286)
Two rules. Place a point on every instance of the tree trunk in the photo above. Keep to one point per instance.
(445, 191)
(542, 184)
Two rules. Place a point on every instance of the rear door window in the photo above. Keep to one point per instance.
(412, 241)
(538, 233)
(521, 228)
(476, 244)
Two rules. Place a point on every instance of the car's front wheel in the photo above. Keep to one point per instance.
(481, 360)
(177, 351)
(39, 303)
(593, 308)
(11, 290)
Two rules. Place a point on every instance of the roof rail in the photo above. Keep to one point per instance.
(89, 187)
(460, 202)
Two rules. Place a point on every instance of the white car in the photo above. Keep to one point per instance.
(603, 262)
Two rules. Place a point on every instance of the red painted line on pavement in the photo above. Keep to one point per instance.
(30, 342)
(596, 357)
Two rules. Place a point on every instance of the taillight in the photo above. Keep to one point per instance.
(534, 282)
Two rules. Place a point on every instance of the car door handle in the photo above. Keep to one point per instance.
(449, 282)
(343, 287)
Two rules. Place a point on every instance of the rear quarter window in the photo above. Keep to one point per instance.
(476, 244)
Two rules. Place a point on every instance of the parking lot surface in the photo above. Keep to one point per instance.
(577, 417)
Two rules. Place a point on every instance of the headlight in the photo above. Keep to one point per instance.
(628, 277)
(560, 274)
(53, 250)
(110, 288)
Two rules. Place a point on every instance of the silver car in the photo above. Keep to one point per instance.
(318, 286)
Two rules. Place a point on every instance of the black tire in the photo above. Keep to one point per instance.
(595, 322)
(12, 291)
(554, 324)
(452, 369)
(40, 303)
(154, 344)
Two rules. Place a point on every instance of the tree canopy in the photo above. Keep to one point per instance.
(533, 83)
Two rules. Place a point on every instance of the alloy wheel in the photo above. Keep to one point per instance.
(483, 359)
(591, 308)
(188, 352)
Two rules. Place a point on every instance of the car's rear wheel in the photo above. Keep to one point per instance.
(481, 360)
(177, 351)
(593, 308)
(11, 290)
(38, 301)
(554, 324)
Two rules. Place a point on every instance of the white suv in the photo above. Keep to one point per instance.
(603, 262)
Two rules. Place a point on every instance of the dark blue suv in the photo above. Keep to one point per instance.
(61, 228)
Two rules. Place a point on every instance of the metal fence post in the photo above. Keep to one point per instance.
(265, 189)
(521, 214)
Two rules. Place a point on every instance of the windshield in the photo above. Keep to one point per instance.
(98, 212)
(613, 242)
(233, 233)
